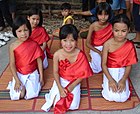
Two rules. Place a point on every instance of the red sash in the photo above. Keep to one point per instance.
(64, 103)
(124, 56)
(39, 35)
(101, 36)
(79, 69)
(26, 55)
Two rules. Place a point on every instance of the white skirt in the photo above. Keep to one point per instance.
(54, 96)
(31, 84)
(95, 63)
(45, 61)
(117, 74)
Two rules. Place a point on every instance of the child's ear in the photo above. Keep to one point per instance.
(28, 17)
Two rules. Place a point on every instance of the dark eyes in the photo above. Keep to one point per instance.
(121, 30)
(35, 19)
(70, 40)
(23, 30)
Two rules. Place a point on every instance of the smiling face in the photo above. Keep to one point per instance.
(34, 20)
(120, 31)
(22, 33)
(68, 44)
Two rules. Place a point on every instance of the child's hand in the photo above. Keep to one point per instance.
(113, 85)
(121, 86)
(63, 92)
(18, 85)
(41, 82)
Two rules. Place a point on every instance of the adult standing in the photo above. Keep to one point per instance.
(4, 13)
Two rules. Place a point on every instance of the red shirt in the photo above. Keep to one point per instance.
(26, 55)
(123, 56)
(79, 69)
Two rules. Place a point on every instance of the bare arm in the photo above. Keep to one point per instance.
(88, 41)
(43, 47)
(56, 75)
(75, 83)
(13, 68)
(86, 13)
(111, 82)
(40, 68)
(69, 21)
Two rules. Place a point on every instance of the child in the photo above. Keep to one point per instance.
(39, 33)
(93, 17)
(68, 65)
(99, 32)
(92, 12)
(66, 11)
(25, 62)
(117, 58)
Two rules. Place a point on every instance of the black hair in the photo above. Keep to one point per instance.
(19, 21)
(103, 6)
(68, 29)
(109, 1)
(36, 11)
(121, 18)
(65, 6)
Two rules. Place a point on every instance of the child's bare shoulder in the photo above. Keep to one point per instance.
(108, 42)
(94, 24)
(58, 53)
(14, 45)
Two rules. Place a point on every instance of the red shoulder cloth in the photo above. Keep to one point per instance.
(39, 35)
(124, 56)
(26, 55)
(101, 36)
(79, 69)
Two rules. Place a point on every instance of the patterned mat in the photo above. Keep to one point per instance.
(91, 98)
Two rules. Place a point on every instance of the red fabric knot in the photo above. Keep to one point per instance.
(64, 64)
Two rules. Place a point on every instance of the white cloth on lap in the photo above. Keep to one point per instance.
(31, 84)
(117, 74)
(54, 96)
(45, 61)
(95, 63)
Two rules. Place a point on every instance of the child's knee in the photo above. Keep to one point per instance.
(119, 98)
(123, 98)
(74, 106)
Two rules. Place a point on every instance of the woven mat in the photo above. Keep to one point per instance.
(91, 98)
